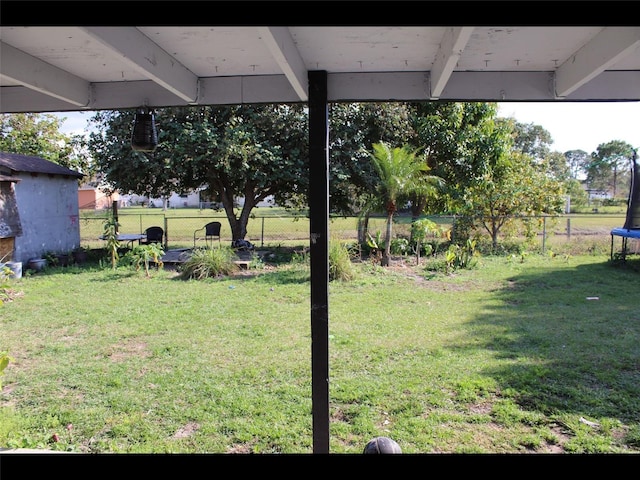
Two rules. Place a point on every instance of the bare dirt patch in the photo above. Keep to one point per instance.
(123, 351)
(187, 431)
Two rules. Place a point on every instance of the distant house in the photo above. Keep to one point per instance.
(92, 198)
(38, 207)
(190, 200)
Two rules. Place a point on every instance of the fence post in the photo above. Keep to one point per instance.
(166, 233)
(262, 234)
(568, 228)
(544, 233)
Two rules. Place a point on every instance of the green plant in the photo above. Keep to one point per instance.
(462, 256)
(209, 262)
(399, 246)
(7, 277)
(375, 246)
(110, 234)
(301, 257)
(142, 255)
(340, 266)
(420, 231)
(256, 262)
(401, 173)
(4, 362)
(51, 258)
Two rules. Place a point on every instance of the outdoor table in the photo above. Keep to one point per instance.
(129, 238)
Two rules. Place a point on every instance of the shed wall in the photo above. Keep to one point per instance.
(48, 206)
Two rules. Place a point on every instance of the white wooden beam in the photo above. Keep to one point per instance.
(603, 51)
(453, 42)
(342, 87)
(281, 45)
(42, 77)
(149, 59)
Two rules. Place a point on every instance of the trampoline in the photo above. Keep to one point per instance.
(631, 228)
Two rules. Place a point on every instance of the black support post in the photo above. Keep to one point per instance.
(319, 256)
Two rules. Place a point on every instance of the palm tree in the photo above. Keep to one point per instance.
(401, 173)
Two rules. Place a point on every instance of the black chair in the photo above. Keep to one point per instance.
(154, 235)
(211, 231)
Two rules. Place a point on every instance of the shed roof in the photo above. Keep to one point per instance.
(6, 178)
(29, 164)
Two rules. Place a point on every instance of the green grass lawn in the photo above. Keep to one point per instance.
(536, 354)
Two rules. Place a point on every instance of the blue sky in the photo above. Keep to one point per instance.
(572, 125)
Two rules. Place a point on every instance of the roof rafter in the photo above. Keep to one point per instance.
(604, 50)
(453, 43)
(42, 77)
(281, 45)
(149, 59)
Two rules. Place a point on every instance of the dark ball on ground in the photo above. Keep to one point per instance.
(382, 445)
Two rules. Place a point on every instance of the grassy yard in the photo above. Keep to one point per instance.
(521, 354)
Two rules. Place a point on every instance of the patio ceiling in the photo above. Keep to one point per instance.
(68, 68)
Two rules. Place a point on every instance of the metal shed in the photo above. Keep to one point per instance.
(39, 207)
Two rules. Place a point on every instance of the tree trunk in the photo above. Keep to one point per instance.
(386, 256)
(363, 228)
(418, 206)
(494, 235)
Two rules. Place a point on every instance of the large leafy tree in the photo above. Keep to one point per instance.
(461, 142)
(493, 168)
(577, 161)
(121, 168)
(248, 151)
(531, 139)
(608, 166)
(40, 135)
(515, 186)
(400, 173)
(534, 141)
(354, 128)
(556, 166)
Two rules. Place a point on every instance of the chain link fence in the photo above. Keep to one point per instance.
(287, 230)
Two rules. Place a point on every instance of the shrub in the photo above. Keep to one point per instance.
(142, 255)
(110, 234)
(340, 266)
(7, 277)
(400, 246)
(209, 262)
(4, 362)
(458, 256)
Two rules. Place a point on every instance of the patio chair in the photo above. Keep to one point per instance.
(154, 234)
(208, 233)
